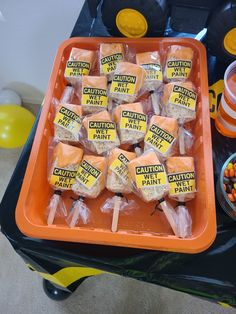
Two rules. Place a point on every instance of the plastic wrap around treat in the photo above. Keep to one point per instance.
(179, 63)
(127, 82)
(80, 62)
(99, 133)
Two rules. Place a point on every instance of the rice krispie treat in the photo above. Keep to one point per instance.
(161, 135)
(179, 101)
(131, 122)
(94, 94)
(127, 82)
(178, 65)
(80, 63)
(109, 56)
(118, 179)
(65, 163)
(90, 178)
(101, 135)
(150, 61)
(67, 122)
(148, 177)
(181, 178)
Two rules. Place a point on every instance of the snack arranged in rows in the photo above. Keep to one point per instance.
(149, 181)
(129, 124)
(99, 133)
(178, 63)
(121, 172)
(129, 81)
(107, 111)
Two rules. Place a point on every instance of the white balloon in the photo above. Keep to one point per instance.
(8, 96)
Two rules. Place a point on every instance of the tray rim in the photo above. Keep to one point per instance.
(105, 237)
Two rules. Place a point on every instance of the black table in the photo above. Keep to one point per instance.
(209, 274)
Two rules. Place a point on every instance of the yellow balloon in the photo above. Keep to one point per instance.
(15, 125)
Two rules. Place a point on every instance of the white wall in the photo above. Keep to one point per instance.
(30, 32)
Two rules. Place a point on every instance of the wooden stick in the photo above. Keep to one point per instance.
(181, 141)
(171, 216)
(155, 105)
(116, 211)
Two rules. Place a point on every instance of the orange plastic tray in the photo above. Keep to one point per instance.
(140, 229)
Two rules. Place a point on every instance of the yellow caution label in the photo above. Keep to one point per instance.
(109, 63)
(153, 71)
(87, 174)
(135, 121)
(215, 91)
(149, 176)
(77, 68)
(102, 131)
(119, 167)
(159, 139)
(68, 120)
(94, 97)
(183, 97)
(179, 69)
(123, 84)
(181, 182)
(62, 178)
